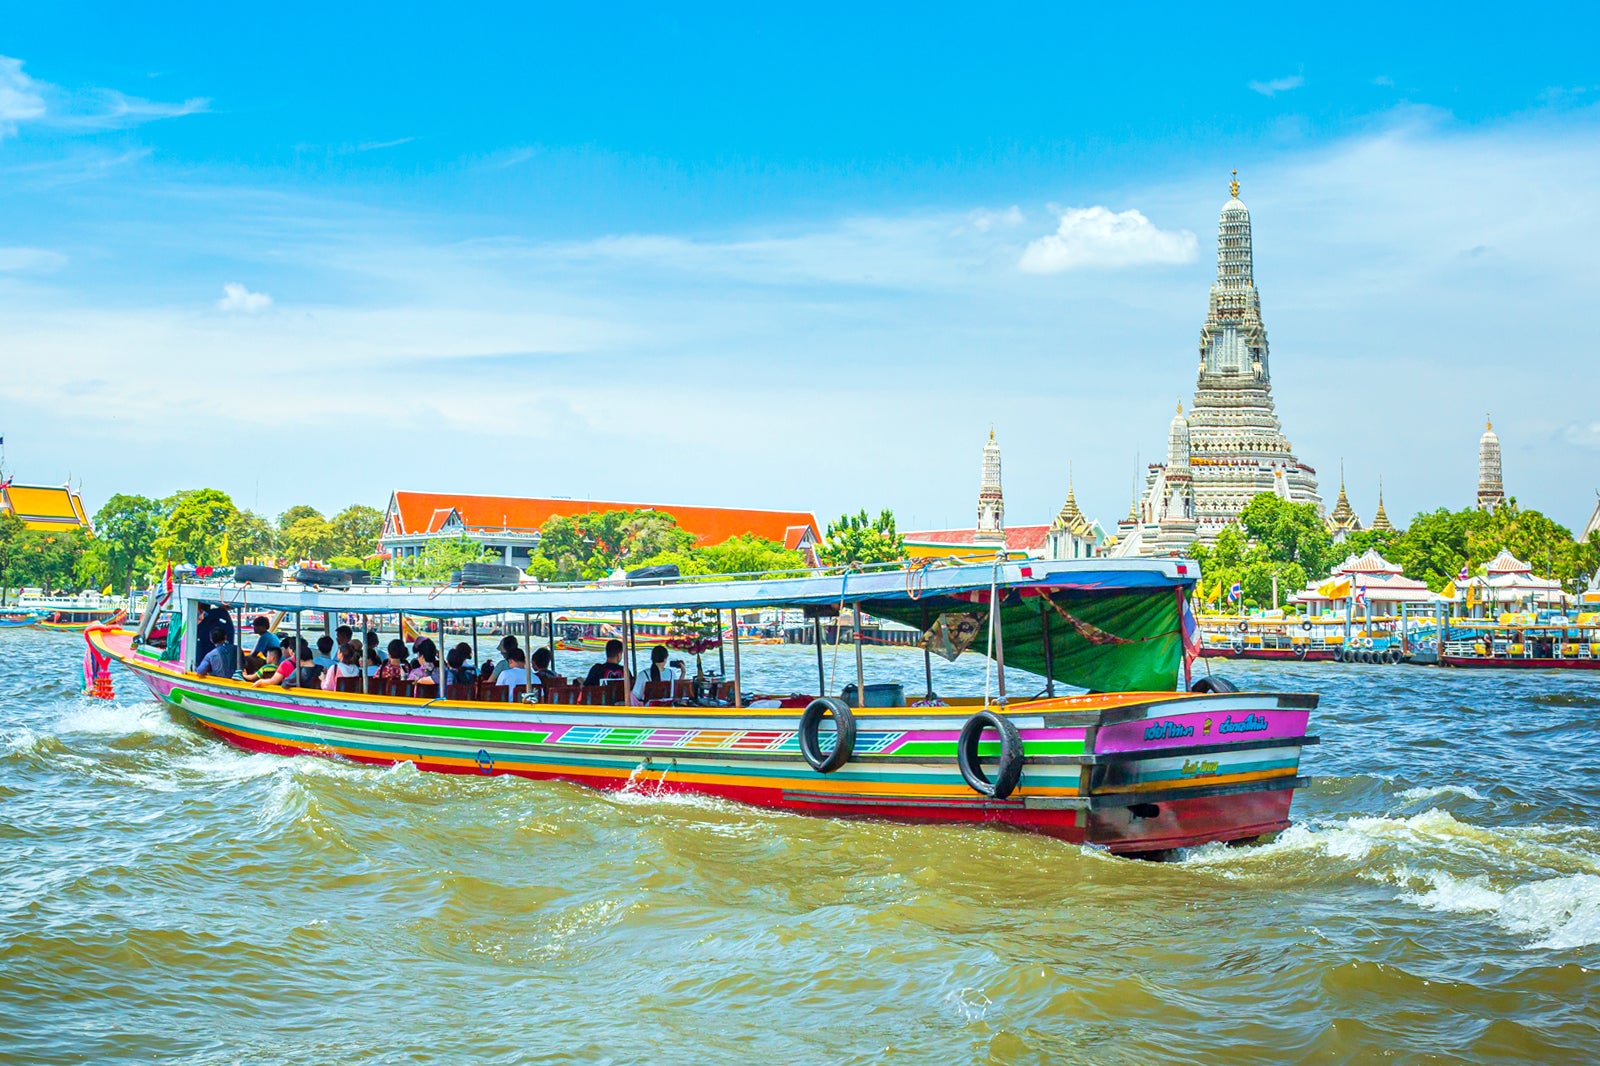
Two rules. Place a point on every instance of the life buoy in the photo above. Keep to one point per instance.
(1365, 642)
(1300, 650)
(1244, 627)
(1213, 684)
(844, 722)
(1008, 773)
(1306, 626)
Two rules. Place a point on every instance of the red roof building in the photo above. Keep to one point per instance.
(510, 525)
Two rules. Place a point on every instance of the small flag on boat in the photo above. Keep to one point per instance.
(1463, 573)
(1235, 592)
(1361, 595)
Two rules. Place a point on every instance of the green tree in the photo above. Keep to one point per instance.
(858, 539)
(250, 537)
(11, 530)
(590, 546)
(51, 558)
(125, 532)
(438, 559)
(749, 554)
(1289, 533)
(194, 528)
(356, 530)
(310, 537)
(294, 514)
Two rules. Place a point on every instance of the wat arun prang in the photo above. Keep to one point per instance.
(1231, 437)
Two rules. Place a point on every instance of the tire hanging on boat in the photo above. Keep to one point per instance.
(258, 575)
(1213, 684)
(1008, 773)
(844, 721)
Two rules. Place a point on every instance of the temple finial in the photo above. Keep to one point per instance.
(1488, 423)
(1233, 186)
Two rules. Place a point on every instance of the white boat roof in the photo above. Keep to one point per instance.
(902, 585)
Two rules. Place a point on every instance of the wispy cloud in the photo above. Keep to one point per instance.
(1278, 85)
(30, 260)
(1098, 238)
(26, 99)
(375, 146)
(20, 96)
(1582, 435)
(1384, 80)
(236, 297)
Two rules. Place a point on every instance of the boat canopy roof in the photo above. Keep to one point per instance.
(887, 592)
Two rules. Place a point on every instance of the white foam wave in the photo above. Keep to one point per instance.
(103, 717)
(1563, 912)
(1440, 791)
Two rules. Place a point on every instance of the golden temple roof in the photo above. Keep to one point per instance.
(44, 506)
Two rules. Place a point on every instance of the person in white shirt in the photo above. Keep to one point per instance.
(516, 671)
(658, 670)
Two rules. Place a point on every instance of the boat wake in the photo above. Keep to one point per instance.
(1541, 883)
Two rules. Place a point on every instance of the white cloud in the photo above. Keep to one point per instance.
(20, 97)
(238, 298)
(1582, 434)
(30, 260)
(1278, 85)
(1096, 237)
(983, 219)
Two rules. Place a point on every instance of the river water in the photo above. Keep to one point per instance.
(164, 897)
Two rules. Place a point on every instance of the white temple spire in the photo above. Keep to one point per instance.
(991, 500)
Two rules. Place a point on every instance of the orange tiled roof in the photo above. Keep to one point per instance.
(44, 506)
(420, 512)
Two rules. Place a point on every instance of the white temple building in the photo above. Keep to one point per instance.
(1491, 489)
(1231, 446)
(1379, 582)
(1509, 582)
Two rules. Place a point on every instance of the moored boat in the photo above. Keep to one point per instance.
(1527, 641)
(1134, 766)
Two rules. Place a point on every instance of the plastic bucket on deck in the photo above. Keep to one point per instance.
(885, 695)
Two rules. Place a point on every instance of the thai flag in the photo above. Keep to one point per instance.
(1235, 592)
(1361, 595)
(1191, 632)
(1464, 573)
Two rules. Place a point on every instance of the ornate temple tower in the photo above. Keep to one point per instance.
(1176, 518)
(1380, 521)
(1237, 446)
(991, 502)
(1344, 518)
(1491, 491)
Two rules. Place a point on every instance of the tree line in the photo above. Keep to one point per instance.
(1289, 541)
(135, 537)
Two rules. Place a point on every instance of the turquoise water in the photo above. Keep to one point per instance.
(164, 897)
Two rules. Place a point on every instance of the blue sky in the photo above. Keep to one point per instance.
(786, 259)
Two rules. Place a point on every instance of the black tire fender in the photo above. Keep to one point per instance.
(1008, 773)
(1244, 627)
(257, 575)
(1213, 684)
(844, 721)
(1306, 625)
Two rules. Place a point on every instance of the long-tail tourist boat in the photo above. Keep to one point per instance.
(1135, 765)
(1526, 641)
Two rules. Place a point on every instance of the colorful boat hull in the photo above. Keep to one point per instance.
(1133, 772)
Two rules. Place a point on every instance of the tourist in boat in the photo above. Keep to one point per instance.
(281, 672)
(266, 641)
(268, 664)
(508, 644)
(426, 671)
(394, 668)
(373, 660)
(658, 670)
(221, 660)
(346, 665)
(324, 658)
(516, 672)
(611, 669)
(543, 676)
(459, 662)
(342, 636)
(309, 675)
(374, 652)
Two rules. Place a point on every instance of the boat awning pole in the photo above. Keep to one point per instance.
(298, 642)
(475, 642)
(1049, 648)
(738, 701)
(927, 654)
(861, 670)
(722, 649)
(550, 638)
(822, 674)
(999, 650)
(361, 657)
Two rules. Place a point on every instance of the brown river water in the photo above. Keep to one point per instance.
(166, 898)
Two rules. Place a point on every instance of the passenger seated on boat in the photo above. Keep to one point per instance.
(507, 644)
(324, 656)
(516, 673)
(394, 667)
(309, 675)
(374, 652)
(611, 669)
(266, 641)
(282, 665)
(543, 676)
(346, 665)
(460, 667)
(222, 658)
(425, 674)
(658, 670)
(373, 660)
(213, 618)
(342, 636)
